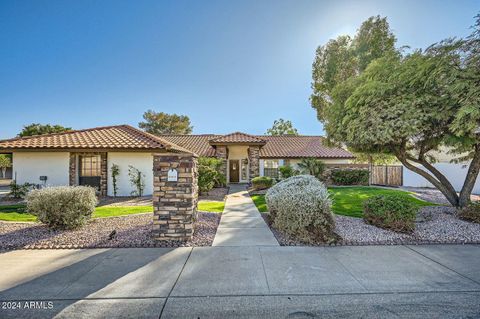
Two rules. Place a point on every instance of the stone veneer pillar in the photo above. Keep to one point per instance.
(174, 202)
(254, 161)
(221, 153)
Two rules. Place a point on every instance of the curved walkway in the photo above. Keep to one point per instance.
(241, 223)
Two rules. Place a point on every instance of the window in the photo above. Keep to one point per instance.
(270, 168)
(90, 165)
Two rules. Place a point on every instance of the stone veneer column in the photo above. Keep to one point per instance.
(221, 153)
(72, 174)
(174, 203)
(254, 161)
(104, 174)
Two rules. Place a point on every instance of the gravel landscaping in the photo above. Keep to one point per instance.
(435, 224)
(215, 194)
(131, 231)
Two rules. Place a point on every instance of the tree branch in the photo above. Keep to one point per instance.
(470, 179)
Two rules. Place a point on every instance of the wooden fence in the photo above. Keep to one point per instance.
(387, 175)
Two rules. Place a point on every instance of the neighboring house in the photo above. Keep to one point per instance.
(84, 157)
(247, 156)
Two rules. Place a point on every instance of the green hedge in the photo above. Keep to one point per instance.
(390, 212)
(262, 182)
(350, 176)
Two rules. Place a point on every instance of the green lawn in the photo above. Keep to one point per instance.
(211, 206)
(348, 201)
(260, 202)
(17, 213)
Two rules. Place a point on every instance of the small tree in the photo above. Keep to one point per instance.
(312, 166)
(282, 127)
(137, 180)
(162, 123)
(40, 129)
(115, 171)
(5, 162)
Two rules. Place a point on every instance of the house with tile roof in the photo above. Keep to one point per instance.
(84, 157)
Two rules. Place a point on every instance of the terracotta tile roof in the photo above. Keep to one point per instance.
(286, 146)
(237, 137)
(123, 137)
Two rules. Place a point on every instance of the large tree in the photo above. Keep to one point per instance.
(5, 162)
(282, 127)
(413, 107)
(163, 123)
(40, 129)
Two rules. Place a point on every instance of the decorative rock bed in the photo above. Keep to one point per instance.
(131, 231)
(435, 225)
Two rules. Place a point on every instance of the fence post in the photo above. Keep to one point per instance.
(386, 175)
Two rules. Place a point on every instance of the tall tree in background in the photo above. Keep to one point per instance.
(413, 106)
(40, 129)
(282, 127)
(162, 123)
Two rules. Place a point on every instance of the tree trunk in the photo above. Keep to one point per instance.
(4, 172)
(451, 196)
(470, 179)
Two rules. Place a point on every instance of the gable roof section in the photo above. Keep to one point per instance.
(120, 137)
(286, 146)
(237, 137)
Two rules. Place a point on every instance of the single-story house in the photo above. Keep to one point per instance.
(84, 157)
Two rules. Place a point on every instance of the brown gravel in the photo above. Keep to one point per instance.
(132, 231)
(216, 194)
(126, 201)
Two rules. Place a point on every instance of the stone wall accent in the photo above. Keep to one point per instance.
(221, 153)
(174, 203)
(254, 161)
(73, 170)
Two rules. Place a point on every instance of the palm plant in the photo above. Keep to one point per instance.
(312, 166)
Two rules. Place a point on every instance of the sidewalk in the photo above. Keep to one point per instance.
(241, 223)
(244, 282)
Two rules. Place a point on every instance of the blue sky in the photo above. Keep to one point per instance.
(229, 65)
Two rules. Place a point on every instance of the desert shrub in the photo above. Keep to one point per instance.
(287, 171)
(212, 167)
(300, 206)
(350, 176)
(471, 213)
(19, 191)
(262, 182)
(390, 212)
(63, 207)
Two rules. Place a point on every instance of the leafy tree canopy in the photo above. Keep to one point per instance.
(163, 123)
(282, 127)
(40, 129)
(411, 106)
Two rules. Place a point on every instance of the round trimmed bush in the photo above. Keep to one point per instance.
(262, 182)
(300, 206)
(63, 207)
(390, 212)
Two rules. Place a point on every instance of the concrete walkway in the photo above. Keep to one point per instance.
(432, 281)
(241, 223)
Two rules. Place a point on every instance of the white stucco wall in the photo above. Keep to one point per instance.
(141, 161)
(237, 152)
(29, 166)
(455, 173)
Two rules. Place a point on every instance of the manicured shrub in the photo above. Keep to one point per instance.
(350, 176)
(300, 206)
(262, 182)
(64, 207)
(210, 169)
(390, 212)
(471, 213)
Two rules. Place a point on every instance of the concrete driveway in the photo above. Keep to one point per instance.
(242, 282)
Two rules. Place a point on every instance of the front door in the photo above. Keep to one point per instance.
(234, 171)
